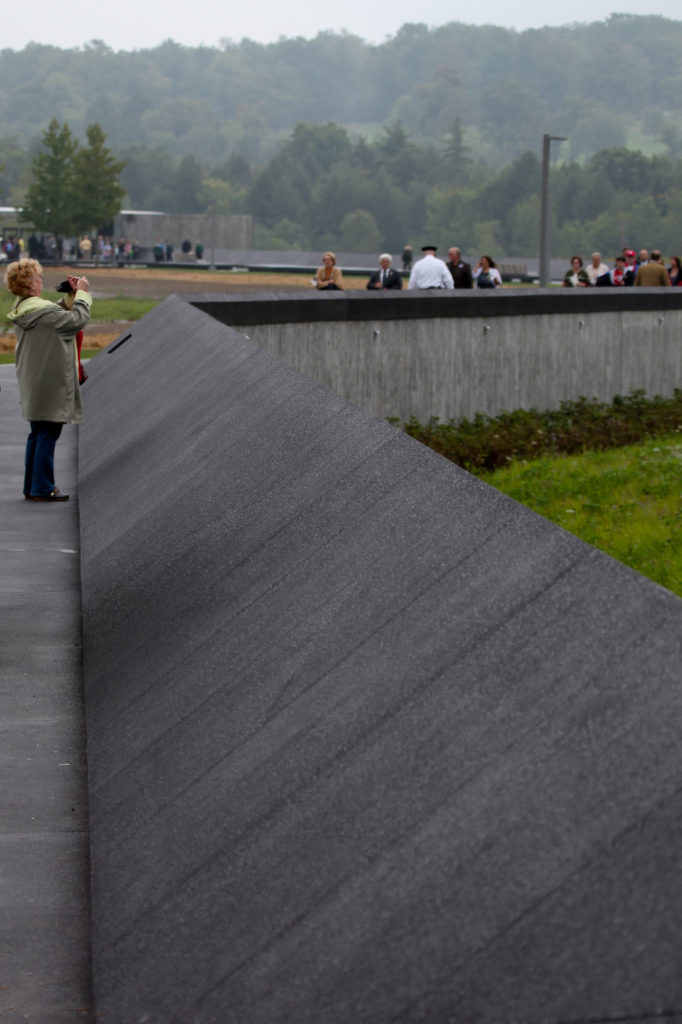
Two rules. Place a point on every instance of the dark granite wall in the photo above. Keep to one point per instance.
(367, 741)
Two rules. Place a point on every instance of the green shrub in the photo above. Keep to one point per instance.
(485, 443)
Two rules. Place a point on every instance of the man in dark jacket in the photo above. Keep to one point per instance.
(459, 270)
(386, 276)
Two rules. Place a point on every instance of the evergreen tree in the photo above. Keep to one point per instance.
(74, 189)
(98, 192)
(186, 186)
(50, 199)
(456, 155)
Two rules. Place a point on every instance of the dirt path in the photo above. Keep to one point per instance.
(157, 284)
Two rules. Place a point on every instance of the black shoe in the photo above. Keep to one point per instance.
(55, 495)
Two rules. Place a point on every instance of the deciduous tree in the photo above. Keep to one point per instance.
(359, 232)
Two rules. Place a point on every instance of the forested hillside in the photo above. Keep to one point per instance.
(332, 140)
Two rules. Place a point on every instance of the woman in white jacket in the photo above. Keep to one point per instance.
(486, 274)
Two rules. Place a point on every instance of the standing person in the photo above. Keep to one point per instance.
(631, 267)
(430, 273)
(329, 277)
(617, 275)
(199, 250)
(459, 270)
(486, 274)
(675, 272)
(407, 258)
(47, 369)
(386, 276)
(596, 269)
(576, 277)
(652, 274)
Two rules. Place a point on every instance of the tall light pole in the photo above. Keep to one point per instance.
(544, 209)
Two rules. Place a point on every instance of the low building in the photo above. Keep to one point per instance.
(219, 231)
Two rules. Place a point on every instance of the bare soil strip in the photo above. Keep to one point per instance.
(157, 284)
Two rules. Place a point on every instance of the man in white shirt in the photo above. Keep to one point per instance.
(429, 272)
(596, 268)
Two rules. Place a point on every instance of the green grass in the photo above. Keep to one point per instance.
(118, 308)
(625, 501)
(86, 353)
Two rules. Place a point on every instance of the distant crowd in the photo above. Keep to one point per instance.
(645, 270)
(50, 247)
(102, 249)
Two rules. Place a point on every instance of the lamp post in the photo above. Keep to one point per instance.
(544, 209)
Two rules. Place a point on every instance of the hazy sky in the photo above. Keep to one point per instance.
(138, 24)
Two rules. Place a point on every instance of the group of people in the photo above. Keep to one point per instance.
(99, 249)
(105, 249)
(11, 247)
(428, 274)
(163, 251)
(643, 270)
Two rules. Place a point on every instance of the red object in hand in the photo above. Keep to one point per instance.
(82, 375)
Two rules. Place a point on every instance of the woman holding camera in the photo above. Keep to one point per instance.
(47, 368)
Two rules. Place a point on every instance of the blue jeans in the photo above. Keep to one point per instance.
(39, 474)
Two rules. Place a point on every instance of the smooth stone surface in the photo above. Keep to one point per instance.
(369, 741)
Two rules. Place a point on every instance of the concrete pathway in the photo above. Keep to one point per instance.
(44, 890)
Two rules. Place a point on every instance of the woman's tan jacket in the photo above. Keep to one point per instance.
(336, 277)
(47, 358)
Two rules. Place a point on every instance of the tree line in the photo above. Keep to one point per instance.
(605, 84)
(323, 189)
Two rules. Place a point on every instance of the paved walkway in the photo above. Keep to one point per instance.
(44, 901)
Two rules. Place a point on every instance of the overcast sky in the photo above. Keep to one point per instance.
(139, 24)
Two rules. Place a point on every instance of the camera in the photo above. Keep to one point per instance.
(64, 287)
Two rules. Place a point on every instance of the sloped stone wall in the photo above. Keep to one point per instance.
(367, 740)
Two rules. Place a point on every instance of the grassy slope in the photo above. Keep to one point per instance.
(118, 308)
(625, 501)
